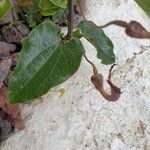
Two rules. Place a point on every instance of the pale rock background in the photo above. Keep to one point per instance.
(82, 119)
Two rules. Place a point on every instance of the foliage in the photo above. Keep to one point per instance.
(48, 8)
(48, 58)
(145, 4)
(60, 3)
(32, 14)
(4, 7)
(44, 63)
(100, 41)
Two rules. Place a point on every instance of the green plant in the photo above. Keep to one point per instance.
(49, 58)
(4, 7)
(145, 5)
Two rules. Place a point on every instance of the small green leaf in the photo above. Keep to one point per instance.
(48, 8)
(60, 17)
(32, 13)
(145, 5)
(5, 6)
(77, 33)
(100, 41)
(75, 2)
(60, 3)
(45, 62)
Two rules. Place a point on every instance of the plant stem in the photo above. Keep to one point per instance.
(95, 71)
(70, 19)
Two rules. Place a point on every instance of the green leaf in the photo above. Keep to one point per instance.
(145, 5)
(60, 17)
(48, 8)
(5, 6)
(32, 13)
(99, 40)
(40, 44)
(60, 3)
(45, 62)
(77, 33)
(75, 2)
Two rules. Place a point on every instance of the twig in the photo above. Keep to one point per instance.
(95, 71)
(110, 71)
(70, 19)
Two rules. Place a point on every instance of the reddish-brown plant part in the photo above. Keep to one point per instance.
(133, 29)
(5, 49)
(7, 64)
(24, 2)
(98, 82)
(13, 111)
(16, 33)
(136, 30)
(8, 61)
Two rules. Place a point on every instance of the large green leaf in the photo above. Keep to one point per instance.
(100, 41)
(145, 4)
(45, 62)
(48, 8)
(5, 6)
(40, 44)
(60, 3)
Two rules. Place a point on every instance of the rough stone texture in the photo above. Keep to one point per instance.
(82, 119)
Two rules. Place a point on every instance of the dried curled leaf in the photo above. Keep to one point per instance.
(8, 61)
(133, 29)
(5, 49)
(5, 126)
(4, 69)
(16, 33)
(13, 111)
(24, 2)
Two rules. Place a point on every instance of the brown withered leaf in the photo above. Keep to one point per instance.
(24, 2)
(7, 64)
(12, 35)
(133, 29)
(13, 111)
(5, 126)
(5, 49)
(4, 69)
(14, 57)
(15, 33)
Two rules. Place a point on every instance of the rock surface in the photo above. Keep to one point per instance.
(82, 119)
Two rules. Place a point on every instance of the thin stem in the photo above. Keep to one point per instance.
(95, 71)
(110, 71)
(70, 19)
